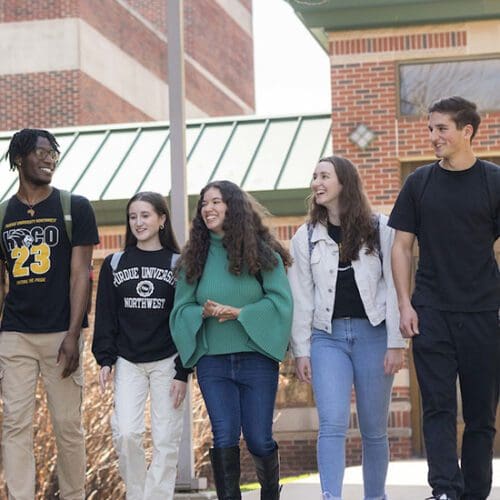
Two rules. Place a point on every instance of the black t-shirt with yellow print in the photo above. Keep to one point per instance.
(38, 261)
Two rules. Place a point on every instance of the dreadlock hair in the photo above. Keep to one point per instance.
(249, 244)
(359, 225)
(24, 142)
(166, 233)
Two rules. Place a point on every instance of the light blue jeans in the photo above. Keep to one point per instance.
(352, 354)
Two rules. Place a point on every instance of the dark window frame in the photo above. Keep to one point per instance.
(437, 60)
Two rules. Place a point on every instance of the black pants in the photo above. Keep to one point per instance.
(467, 345)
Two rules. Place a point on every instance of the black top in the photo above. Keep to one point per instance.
(133, 309)
(348, 303)
(455, 217)
(38, 262)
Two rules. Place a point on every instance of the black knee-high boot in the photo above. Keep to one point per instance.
(226, 469)
(268, 473)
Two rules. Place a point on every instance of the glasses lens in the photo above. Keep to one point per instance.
(42, 154)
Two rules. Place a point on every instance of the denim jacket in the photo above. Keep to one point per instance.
(313, 278)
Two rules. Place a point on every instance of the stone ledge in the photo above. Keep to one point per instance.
(205, 495)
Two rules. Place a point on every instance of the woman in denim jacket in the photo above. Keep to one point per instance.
(346, 322)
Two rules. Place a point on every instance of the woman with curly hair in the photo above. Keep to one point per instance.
(346, 321)
(231, 319)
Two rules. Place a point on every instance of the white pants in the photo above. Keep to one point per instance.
(132, 383)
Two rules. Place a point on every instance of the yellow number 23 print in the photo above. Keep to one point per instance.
(40, 264)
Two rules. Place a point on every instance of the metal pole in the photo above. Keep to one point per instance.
(178, 203)
(176, 96)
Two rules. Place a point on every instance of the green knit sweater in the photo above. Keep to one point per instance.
(263, 324)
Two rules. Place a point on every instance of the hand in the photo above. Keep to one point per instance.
(393, 361)
(408, 323)
(70, 351)
(220, 311)
(303, 368)
(225, 313)
(104, 376)
(178, 392)
(208, 308)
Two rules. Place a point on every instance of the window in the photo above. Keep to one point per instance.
(423, 83)
(410, 166)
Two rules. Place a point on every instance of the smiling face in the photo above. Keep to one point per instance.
(37, 168)
(145, 224)
(447, 140)
(325, 185)
(213, 210)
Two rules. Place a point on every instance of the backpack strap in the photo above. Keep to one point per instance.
(115, 260)
(310, 243)
(379, 245)
(65, 197)
(174, 259)
(425, 171)
(489, 169)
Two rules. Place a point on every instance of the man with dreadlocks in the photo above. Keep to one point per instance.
(43, 314)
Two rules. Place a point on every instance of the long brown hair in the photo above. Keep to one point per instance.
(357, 221)
(249, 243)
(159, 204)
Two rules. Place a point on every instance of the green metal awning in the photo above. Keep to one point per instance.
(321, 16)
(105, 163)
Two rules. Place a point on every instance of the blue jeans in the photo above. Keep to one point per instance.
(239, 392)
(352, 354)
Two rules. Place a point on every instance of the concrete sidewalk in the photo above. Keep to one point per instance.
(406, 480)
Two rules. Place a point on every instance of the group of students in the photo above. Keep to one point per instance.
(235, 298)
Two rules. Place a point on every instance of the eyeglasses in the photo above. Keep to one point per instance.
(42, 153)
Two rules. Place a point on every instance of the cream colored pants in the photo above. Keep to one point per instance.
(23, 358)
(133, 382)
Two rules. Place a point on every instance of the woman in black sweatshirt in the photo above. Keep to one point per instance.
(134, 299)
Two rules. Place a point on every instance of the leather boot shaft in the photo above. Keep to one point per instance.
(226, 469)
(268, 474)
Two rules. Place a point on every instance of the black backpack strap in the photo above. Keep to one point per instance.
(425, 173)
(490, 170)
(377, 241)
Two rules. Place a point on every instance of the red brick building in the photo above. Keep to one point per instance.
(389, 61)
(78, 62)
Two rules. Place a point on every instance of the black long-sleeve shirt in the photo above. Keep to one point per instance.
(133, 308)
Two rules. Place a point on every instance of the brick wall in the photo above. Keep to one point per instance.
(225, 48)
(28, 100)
(219, 63)
(366, 93)
(15, 10)
(364, 67)
(99, 105)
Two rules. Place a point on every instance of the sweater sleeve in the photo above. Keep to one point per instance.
(268, 321)
(104, 345)
(185, 319)
(181, 373)
(302, 285)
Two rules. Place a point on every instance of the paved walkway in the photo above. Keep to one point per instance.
(406, 480)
